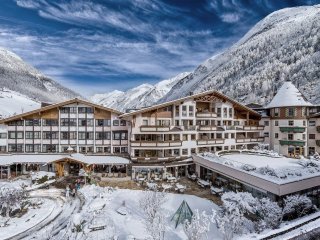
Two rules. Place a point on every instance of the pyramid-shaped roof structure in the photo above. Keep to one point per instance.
(182, 214)
(287, 96)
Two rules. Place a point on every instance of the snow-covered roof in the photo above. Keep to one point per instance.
(288, 95)
(9, 159)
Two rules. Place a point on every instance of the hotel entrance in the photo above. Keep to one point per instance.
(68, 167)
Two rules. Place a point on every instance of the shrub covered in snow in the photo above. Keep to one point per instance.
(198, 227)
(296, 206)
(11, 200)
(248, 167)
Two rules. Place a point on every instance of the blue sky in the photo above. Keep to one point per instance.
(95, 46)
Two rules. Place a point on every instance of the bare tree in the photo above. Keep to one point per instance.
(198, 227)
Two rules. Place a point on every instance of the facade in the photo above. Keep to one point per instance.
(71, 126)
(290, 127)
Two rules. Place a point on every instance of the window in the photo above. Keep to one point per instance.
(185, 151)
(184, 137)
(85, 135)
(49, 148)
(3, 148)
(266, 134)
(230, 113)
(123, 123)
(33, 148)
(312, 151)
(3, 135)
(85, 110)
(312, 123)
(191, 112)
(276, 112)
(116, 150)
(50, 135)
(184, 111)
(145, 122)
(225, 112)
(14, 135)
(266, 123)
(290, 136)
(232, 135)
(103, 135)
(124, 136)
(276, 123)
(226, 135)
(116, 136)
(124, 150)
(193, 137)
(15, 148)
(68, 110)
(115, 122)
(218, 112)
(276, 135)
(68, 122)
(290, 112)
(85, 122)
(291, 123)
(50, 122)
(103, 122)
(32, 122)
(68, 135)
(219, 135)
(193, 150)
(16, 123)
(312, 136)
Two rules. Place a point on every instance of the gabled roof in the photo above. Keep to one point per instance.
(287, 96)
(52, 106)
(216, 93)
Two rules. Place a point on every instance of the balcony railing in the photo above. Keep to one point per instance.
(154, 128)
(207, 128)
(253, 127)
(292, 142)
(206, 115)
(210, 141)
(175, 143)
(247, 140)
(152, 160)
(293, 129)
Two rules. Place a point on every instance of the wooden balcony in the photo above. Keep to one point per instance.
(176, 143)
(210, 141)
(154, 128)
(206, 115)
(207, 128)
(248, 140)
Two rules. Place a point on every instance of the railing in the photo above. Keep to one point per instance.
(152, 160)
(246, 140)
(207, 128)
(154, 128)
(293, 129)
(292, 142)
(253, 127)
(176, 143)
(210, 141)
(206, 115)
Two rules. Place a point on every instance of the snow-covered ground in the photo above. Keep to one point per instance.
(103, 204)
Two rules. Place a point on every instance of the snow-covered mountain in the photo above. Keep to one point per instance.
(141, 96)
(20, 77)
(12, 103)
(284, 45)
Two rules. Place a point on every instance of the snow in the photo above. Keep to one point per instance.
(284, 170)
(133, 224)
(288, 95)
(12, 103)
(41, 174)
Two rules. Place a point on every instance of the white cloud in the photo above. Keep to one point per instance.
(230, 17)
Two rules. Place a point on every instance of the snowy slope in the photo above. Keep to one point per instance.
(284, 45)
(12, 103)
(20, 77)
(141, 96)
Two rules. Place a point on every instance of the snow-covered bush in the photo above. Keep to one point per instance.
(296, 206)
(198, 227)
(11, 199)
(270, 214)
(151, 204)
(309, 163)
(248, 167)
(267, 171)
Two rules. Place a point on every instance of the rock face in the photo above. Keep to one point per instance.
(283, 46)
(18, 76)
(141, 96)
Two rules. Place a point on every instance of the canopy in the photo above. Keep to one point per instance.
(182, 214)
